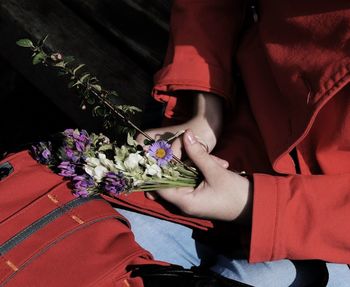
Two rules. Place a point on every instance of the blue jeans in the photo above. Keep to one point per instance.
(173, 243)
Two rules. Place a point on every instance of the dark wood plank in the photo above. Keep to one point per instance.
(72, 35)
(140, 28)
(26, 114)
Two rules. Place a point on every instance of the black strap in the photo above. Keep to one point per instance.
(175, 276)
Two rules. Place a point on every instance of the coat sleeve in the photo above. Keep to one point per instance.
(203, 35)
(301, 217)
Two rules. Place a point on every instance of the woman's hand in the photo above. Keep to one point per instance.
(206, 123)
(222, 195)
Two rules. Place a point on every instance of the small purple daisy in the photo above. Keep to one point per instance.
(161, 151)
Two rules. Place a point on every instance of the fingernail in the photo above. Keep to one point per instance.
(191, 138)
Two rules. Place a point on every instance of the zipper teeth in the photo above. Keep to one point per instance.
(43, 221)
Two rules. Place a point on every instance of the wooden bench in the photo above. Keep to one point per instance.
(122, 42)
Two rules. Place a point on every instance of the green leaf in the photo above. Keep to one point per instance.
(76, 84)
(39, 58)
(135, 109)
(131, 131)
(129, 109)
(61, 64)
(78, 68)
(130, 140)
(97, 87)
(148, 142)
(26, 43)
(71, 84)
(42, 41)
(98, 111)
(114, 93)
(84, 78)
(90, 101)
(93, 80)
(105, 147)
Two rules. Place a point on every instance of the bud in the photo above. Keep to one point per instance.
(83, 107)
(56, 57)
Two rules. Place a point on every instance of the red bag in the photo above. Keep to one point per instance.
(48, 237)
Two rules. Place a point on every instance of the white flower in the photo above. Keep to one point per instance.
(138, 182)
(153, 169)
(97, 172)
(133, 161)
(95, 167)
(119, 165)
(121, 153)
(89, 170)
(100, 171)
(92, 161)
(150, 158)
(105, 162)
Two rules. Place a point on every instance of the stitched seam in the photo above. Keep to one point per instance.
(315, 113)
(25, 208)
(61, 238)
(276, 221)
(67, 211)
(335, 85)
(43, 221)
(44, 241)
(9, 263)
(188, 83)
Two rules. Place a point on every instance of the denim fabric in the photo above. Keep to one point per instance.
(173, 243)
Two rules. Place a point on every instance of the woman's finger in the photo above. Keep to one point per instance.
(220, 161)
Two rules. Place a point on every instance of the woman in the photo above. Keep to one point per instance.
(287, 129)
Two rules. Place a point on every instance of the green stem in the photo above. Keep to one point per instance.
(159, 186)
(171, 182)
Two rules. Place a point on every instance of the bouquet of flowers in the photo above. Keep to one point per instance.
(94, 163)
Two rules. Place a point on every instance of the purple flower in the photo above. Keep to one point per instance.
(76, 139)
(42, 152)
(68, 132)
(67, 169)
(82, 136)
(161, 151)
(46, 154)
(70, 155)
(80, 146)
(114, 183)
(82, 184)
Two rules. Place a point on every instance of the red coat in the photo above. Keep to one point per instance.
(295, 64)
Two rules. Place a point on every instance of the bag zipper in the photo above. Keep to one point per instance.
(43, 221)
(62, 237)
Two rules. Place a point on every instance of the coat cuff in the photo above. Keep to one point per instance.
(264, 218)
(190, 75)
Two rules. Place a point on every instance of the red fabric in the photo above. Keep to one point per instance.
(195, 63)
(295, 65)
(87, 245)
(138, 201)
